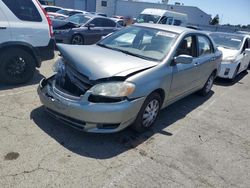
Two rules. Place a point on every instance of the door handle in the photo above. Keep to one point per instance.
(3, 27)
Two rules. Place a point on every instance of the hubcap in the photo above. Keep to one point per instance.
(77, 40)
(16, 66)
(209, 84)
(150, 113)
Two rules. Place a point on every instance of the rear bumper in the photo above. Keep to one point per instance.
(45, 53)
(88, 116)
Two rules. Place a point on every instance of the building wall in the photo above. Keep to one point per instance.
(87, 5)
(133, 9)
(109, 9)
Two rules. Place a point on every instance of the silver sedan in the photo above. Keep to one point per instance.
(126, 78)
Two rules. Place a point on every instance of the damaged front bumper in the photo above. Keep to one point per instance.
(87, 116)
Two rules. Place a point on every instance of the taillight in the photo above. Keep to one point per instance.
(48, 19)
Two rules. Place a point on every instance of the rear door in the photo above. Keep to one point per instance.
(185, 77)
(206, 58)
(5, 31)
(108, 26)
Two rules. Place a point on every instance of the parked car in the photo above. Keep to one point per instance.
(49, 8)
(25, 39)
(106, 87)
(65, 13)
(236, 53)
(160, 16)
(91, 29)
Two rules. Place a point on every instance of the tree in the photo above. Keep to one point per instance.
(215, 20)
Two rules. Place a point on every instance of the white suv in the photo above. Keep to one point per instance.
(26, 39)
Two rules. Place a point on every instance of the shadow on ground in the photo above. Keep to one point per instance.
(227, 82)
(35, 80)
(103, 146)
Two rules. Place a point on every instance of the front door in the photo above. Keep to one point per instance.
(185, 75)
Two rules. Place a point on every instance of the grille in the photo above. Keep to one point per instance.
(72, 82)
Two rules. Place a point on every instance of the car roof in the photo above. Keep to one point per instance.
(171, 28)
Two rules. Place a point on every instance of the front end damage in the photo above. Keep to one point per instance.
(67, 97)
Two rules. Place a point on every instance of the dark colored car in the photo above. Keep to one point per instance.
(83, 29)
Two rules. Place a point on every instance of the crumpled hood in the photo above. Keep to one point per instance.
(227, 52)
(98, 62)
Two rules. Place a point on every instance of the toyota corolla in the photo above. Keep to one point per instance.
(126, 78)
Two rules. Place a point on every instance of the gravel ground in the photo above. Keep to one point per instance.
(197, 142)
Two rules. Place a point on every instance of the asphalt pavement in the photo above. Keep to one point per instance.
(196, 142)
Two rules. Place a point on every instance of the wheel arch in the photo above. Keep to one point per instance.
(24, 46)
(77, 34)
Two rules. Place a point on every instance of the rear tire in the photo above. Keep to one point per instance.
(208, 86)
(148, 113)
(17, 66)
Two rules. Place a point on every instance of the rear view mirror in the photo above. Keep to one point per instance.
(183, 59)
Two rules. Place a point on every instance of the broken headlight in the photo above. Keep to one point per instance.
(113, 89)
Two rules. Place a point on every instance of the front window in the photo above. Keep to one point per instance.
(227, 40)
(145, 43)
(148, 18)
(204, 46)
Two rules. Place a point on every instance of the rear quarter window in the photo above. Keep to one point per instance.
(24, 10)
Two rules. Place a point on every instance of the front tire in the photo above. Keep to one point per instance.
(17, 66)
(77, 40)
(208, 85)
(148, 113)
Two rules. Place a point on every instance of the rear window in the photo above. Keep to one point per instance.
(24, 10)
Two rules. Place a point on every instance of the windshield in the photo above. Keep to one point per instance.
(227, 40)
(148, 18)
(78, 19)
(142, 42)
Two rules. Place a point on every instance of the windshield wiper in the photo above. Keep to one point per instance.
(135, 55)
(128, 52)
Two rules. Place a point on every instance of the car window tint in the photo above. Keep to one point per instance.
(187, 47)
(169, 20)
(102, 22)
(24, 10)
(163, 20)
(204, 46)
(51, 9)
(177, 22)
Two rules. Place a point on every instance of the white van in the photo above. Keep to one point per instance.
(151, 15)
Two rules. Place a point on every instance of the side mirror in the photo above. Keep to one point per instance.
(183, 59)
(90, 26)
